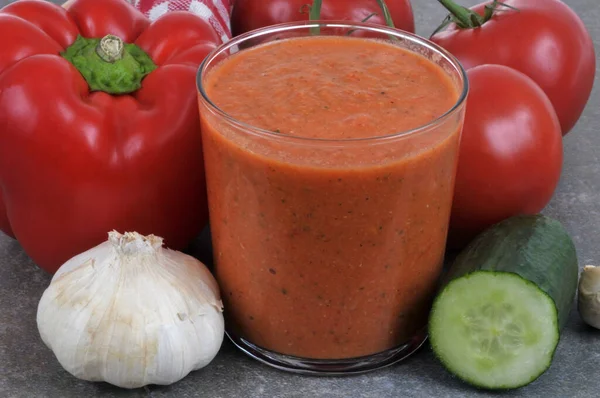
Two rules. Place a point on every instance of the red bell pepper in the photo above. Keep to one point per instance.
(99, 125)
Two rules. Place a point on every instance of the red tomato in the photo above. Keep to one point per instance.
(544, 39)
(253, 14)
(510, 154)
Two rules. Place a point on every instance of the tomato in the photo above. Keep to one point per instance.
(544, 39)
(253, 14)
(510, 154)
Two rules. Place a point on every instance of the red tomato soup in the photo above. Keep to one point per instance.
(329, 241)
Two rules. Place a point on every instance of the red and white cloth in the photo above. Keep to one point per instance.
(216, 12)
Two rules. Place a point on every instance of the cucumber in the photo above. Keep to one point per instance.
(496, 321)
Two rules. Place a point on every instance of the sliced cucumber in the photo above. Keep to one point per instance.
(497, 319)
(494, 329)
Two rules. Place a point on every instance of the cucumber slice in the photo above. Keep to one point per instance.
(497, 320)
(494, 330)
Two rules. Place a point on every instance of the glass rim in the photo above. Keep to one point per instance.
(340, 24)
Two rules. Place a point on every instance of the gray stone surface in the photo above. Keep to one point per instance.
(29, 369)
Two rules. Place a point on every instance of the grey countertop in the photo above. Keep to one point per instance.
(29, 369)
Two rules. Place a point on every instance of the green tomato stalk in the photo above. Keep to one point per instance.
(466, 18)
(386, 13)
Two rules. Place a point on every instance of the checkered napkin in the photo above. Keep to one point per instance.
(216, 12)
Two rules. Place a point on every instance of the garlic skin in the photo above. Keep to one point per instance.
(588, 303)
(130, 312)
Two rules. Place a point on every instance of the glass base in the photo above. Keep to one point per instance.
(329, 367)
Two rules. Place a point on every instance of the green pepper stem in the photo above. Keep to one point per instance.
(109, 64)
(110, 48)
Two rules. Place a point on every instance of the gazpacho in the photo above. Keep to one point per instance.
(330, 165)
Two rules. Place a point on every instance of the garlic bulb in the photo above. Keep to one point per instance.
(130, 312)
(588, 302)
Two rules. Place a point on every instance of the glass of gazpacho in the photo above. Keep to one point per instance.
(330, 152)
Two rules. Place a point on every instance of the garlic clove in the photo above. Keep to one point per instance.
(132, 313)
(588, 302)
